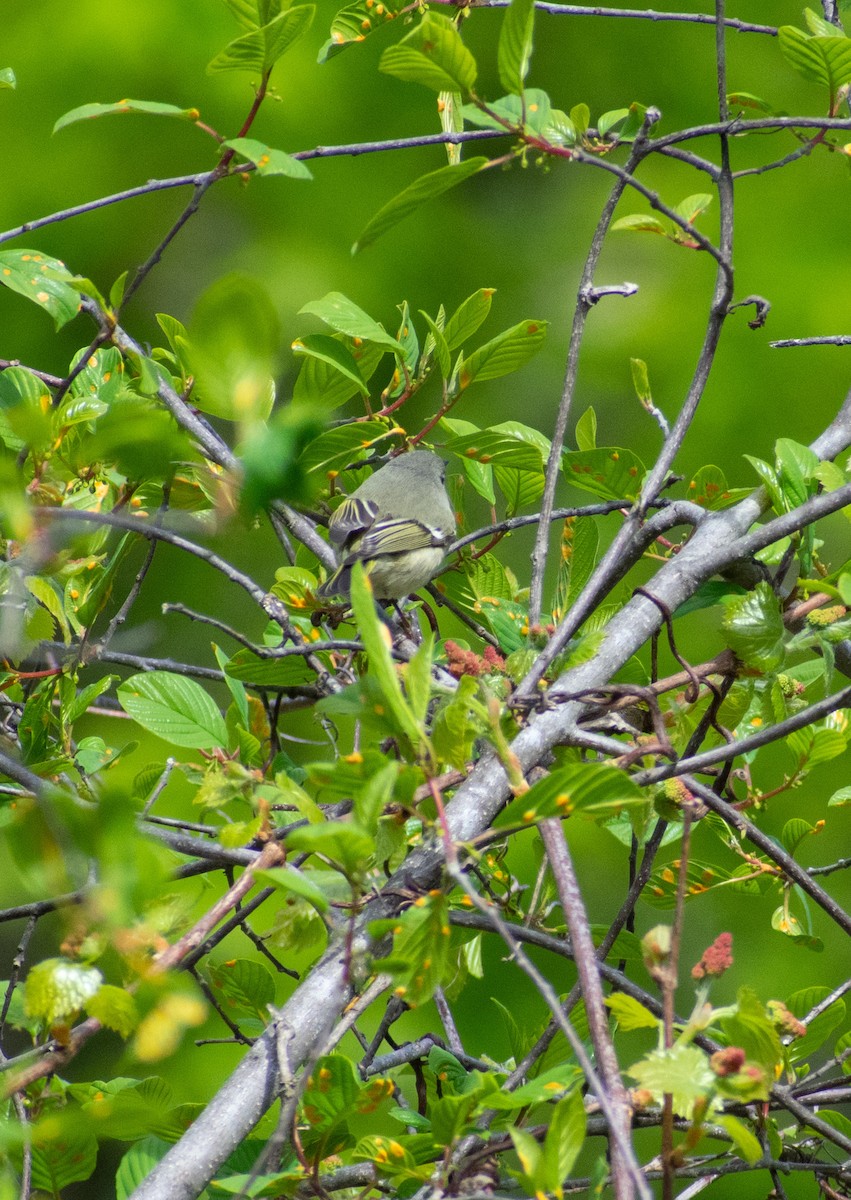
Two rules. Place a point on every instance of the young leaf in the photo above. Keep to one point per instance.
(515, 45)
(417, 193)
(374, 636)
(259, 49)
(433, 55)
(288, 879)
(468, 317)
(267, 160)
(86, 112)
(754, 627)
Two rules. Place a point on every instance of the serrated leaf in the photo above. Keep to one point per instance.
(86, 112)
(259, 49)
(421, 190)
(692, 207)
(344, 446)
(433, 55)
(267, 160)
(115, 1008)
(42, 279)
(242, 984)
(754, 627)
(683, 1071)
(58, 988)
(174, 708)
(515, 45)
(441, 349)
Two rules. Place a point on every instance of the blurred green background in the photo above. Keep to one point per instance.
(524, 232)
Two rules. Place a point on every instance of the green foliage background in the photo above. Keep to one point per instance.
(523, 232)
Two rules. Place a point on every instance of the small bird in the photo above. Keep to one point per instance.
(398, 524)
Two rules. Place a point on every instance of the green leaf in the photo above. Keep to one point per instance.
(532, 113)
(259, 49)
(267, 160)
(342, 314)
(750, 1028)
(505, 353)
(58, 988)
(355, 22)
(631, 1013)
(417, 193)
(565, 1136)
(376, 638)
(441, 349)
(86, 112)
(515, 45)
(62, 1156)
(174, 708)
(234, 349)
(115, 1008)
(491, 447)
(683, 1071)
(433, 55)
(754, 627)
(746, 1143)
(468, 317)
(344, 445)
(137, 1164)
(322, 380)
(420, 951)
(243, 984)
(824, 60)
(585, 432)
(41, 279)
(610, 472)
(692, 207)
(639, 223)
(345, 844)
(586, 787)
(333, 353)
(7, 78)
(288, 879)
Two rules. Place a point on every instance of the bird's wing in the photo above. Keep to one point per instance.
(399, 536)
(351, 518)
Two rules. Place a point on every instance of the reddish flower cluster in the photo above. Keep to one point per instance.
(716, 959)
(728, 1061)
(467, 662)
